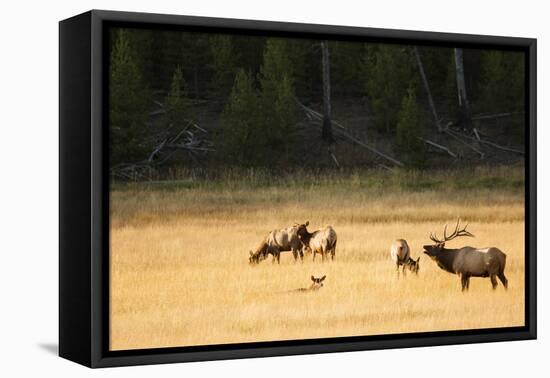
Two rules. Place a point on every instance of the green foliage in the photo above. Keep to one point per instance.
(346, 66)
(259, 116)
(278, 106)
(409, 130)
(224, 63)
(258, 125)
(177, 104)
(128, 101)
(389, 70)
(241, 139)
(439, 67)
(503, 81)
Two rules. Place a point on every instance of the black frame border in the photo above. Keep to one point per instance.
(95, 255)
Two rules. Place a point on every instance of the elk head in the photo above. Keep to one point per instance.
(301, 230)
(255, 258)
(252, 259)
(414, 265)
(434, 250)
(317, 282)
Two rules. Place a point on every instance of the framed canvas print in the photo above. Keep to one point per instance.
(233, 188)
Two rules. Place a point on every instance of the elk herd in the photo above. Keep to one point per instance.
(466, 262)
(298, 240)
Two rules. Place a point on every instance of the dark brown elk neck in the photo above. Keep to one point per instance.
(262, 248)
(306, 236)
(446, 259)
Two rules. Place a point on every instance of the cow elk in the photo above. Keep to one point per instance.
(400, 254)
(275, 242)
(467, 261)
(321, 242)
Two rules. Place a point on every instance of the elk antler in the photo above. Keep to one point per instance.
(457, 232)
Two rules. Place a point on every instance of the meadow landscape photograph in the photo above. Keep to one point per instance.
(266, 188)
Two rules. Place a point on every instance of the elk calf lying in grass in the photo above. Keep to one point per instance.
(316, 285)
(468, 261)
(400, 254)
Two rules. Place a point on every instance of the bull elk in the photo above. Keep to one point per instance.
(401, 255)
(467, 261)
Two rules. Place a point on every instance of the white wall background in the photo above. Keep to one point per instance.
(29, 188)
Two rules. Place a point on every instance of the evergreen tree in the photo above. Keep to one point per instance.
(503, 83)
(177, 104)
(388, 69)
(278, 107)
(346, 68)
(128, 101)
(408, 130)
(224, 63)
(241, 140)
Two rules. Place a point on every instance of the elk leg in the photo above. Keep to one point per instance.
(302, 255)
(494, 281)
(404, 272)
(314, 253)
(397, 269)
(465, 280)
(295, 254)
(503, 279)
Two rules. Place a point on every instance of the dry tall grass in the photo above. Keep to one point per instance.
(180, 273)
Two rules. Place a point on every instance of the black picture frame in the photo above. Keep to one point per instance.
(84, 192)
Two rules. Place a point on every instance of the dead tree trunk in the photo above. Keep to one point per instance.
(327, 111)
(464, 113)
(427, 87)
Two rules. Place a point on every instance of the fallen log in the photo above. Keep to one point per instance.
(341, 131)
(441, 147)
(451, 133)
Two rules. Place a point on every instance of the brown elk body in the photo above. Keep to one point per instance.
(278, 241)
(321, 242)
(400, 254)
(468, 262)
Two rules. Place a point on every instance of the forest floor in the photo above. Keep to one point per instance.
(179, 256)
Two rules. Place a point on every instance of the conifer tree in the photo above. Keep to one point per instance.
(241, 140)
(128, 101)
(503, 81)
(278, 106)
(409, 131)
(388, 69)
(177, 104)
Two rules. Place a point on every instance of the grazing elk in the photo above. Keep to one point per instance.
(400, 254)
(467, 261)
(316, 285)
(321, 241)
(278, 241)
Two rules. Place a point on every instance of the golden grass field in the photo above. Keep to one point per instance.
(180, 274)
